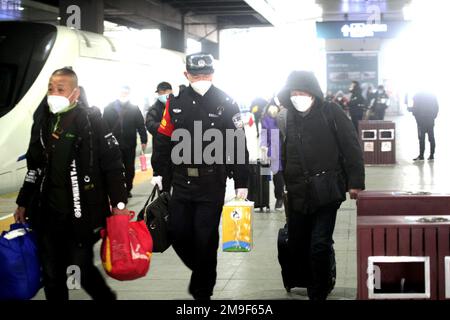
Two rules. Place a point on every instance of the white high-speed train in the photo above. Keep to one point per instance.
(30, 52)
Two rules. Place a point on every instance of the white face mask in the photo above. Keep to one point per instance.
(124, 100)
(302, 103)
(201, 87)
(58, 103)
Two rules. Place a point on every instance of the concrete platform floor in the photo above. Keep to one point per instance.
(256, 274)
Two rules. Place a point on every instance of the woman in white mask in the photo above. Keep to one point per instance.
(318, 137)
(302, 101)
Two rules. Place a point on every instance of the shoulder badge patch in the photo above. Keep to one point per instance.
(237, 120)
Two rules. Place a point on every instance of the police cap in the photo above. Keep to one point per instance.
(200, 63)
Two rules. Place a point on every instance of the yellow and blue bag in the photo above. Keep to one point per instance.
(237, 221)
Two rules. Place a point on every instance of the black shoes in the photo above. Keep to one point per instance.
(201, 298)
(279, 204)
(420, 158)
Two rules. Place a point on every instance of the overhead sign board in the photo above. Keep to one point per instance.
(345, 67)
(359, 29)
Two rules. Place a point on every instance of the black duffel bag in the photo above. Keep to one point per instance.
(156, 215)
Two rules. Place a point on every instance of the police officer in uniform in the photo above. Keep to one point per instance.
(201, 110)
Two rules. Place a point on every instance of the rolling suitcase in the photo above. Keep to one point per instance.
(291, 275)
(258, 185)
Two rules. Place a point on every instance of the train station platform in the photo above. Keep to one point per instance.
(256, 275)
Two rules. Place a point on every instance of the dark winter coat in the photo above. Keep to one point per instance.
(153, 118)
(325, 137)
(357, 105)
(95, 178)
(125, 123)
(425, 109)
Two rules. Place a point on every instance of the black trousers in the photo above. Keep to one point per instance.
(278, 182)
(128, 158)
(311, 245)
(356, 117)
(58, 251)
(422, 131)
(379, 114)
(195, 238)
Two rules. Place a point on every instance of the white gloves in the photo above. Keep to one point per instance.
(264, 154)
(157, 181)
(242, 193)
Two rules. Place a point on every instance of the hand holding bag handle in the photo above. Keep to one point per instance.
(155, 191)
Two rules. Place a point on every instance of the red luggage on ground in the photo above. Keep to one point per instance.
(126, 248)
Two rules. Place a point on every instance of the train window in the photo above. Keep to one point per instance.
(7, 79)
(24, 49)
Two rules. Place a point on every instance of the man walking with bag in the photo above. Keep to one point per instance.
(75, 174)
(322, 159)
(198, 183)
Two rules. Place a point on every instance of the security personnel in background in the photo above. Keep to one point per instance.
(125, 119)
(379, 103)
(357, 104)
(75, 173)
(425, 109)
(155, 113)
(198, 184)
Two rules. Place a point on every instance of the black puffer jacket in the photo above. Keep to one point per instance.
(325, 133)
(96, 163)
(154, 116)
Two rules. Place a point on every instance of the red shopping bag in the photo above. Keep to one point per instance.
(143, 160)
(126, 248)
(250, 121)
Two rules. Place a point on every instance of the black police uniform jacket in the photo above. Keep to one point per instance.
(379, 102)
(125, 123)
(215, 110)
(95, 173)
(357, 105)
(327, 139)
